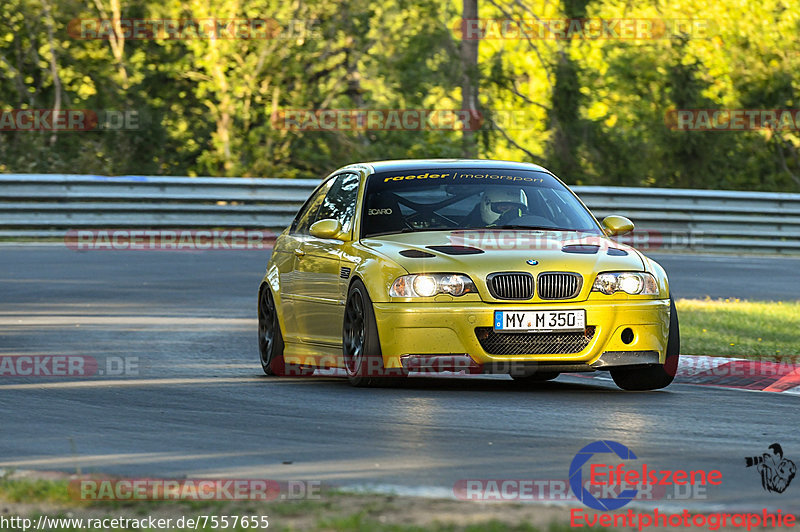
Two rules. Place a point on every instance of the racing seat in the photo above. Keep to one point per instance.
(382, 214)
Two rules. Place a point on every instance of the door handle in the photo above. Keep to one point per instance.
(299, 252)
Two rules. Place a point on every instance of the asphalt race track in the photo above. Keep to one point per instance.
(194, 401)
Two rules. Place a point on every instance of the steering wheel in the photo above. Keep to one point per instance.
(431, 217)
(509, 216)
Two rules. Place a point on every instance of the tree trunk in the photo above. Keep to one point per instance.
(469, 80)
(564, 117)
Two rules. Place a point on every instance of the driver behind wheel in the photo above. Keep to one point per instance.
(501, 204)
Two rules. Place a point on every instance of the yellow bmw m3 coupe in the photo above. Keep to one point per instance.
(470, 266)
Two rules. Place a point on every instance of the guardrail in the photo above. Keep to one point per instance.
(47, 206)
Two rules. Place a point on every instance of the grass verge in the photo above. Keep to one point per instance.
(740, 329)
(31, 498)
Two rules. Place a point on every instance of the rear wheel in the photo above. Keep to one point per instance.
(361, 348)
(270, 339)
(657, 376)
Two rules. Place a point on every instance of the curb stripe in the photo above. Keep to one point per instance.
(735, 373)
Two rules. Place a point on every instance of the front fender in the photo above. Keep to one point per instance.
(659, 273)
(376, 271)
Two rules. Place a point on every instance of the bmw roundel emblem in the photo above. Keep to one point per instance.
(532, 262)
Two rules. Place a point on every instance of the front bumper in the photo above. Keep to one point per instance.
(449, 328)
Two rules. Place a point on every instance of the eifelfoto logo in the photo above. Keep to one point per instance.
(619, 483)
(576, 475)
(776, 471)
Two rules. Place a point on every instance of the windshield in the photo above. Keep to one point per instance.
(455, 199)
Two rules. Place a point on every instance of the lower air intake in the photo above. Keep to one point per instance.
(551, 343)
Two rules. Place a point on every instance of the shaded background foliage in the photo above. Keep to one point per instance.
(594, 109)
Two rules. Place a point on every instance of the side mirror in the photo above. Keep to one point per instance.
(327, 229)
(617, 225)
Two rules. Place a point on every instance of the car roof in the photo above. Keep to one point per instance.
(425, 164)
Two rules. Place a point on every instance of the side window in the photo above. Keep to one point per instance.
(308, 215)
(340, 203)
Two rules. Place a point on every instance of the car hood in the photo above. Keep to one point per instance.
(479, 253)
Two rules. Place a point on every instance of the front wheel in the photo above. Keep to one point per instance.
(657, 376)
(361, 348)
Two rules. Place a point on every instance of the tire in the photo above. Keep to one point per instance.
(270, 339)
(657, 376)
(543, 376)
(361, 347)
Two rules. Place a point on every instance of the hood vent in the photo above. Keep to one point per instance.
(416, 254)
(585, 249)
(456, 250)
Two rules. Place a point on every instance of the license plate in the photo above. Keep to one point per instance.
(539, 320)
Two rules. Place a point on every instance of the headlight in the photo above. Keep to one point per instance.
(430, 284)
(634, 283)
